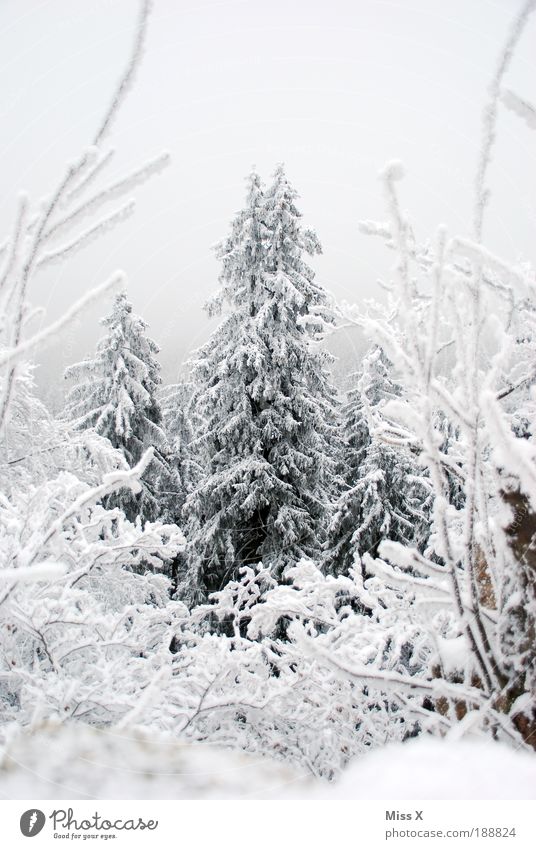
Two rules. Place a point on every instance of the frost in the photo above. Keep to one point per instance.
(521, 107)
(46, 571)
(262, 404)
(392, 171)
(357, 566)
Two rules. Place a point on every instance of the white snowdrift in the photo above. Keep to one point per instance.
(77, 762)
(429, 768)
(73, 762)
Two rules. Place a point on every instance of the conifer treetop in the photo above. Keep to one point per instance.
(264, 405)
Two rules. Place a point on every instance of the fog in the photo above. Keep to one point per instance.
(333, 89)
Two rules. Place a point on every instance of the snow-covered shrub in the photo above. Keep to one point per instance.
(469, 600)
(285, 696)
(81, 634)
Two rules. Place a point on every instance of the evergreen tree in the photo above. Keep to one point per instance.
(385, 496)
(115, 394)
(175, 401)
(264, 403)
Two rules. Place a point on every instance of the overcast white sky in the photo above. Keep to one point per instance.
(331, 87)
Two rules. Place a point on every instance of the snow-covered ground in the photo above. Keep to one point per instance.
(77, 762)
(429, 768)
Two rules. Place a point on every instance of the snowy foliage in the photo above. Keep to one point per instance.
(82, 622)
(264, 407)
(91, 614)
(336, 593)
(386, 494)
(175, 402)
(283, 696)
(467, 605)
(115, 395)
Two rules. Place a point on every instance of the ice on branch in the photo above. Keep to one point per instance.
(520, 107)
(87, 236)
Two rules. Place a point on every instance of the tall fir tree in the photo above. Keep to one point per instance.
(175, 403)
(115, 394)
(264, 403)
(386, 494)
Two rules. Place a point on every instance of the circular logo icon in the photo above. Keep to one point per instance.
(31, 822)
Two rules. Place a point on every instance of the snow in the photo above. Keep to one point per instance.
(261, 462)
(48, 570)
(429, 768)
(453, 653)
(392, 171)
(105, 224)
(516, 104)
(76, 762)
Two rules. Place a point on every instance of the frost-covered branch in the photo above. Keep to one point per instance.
(129, 73)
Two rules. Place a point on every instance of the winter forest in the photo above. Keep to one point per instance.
(260, 557)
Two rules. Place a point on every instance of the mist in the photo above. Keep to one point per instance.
(331, 89)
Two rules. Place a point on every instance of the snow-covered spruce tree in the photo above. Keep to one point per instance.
(386, 495)
(175, 401)
(115, 394)
(264, 404)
